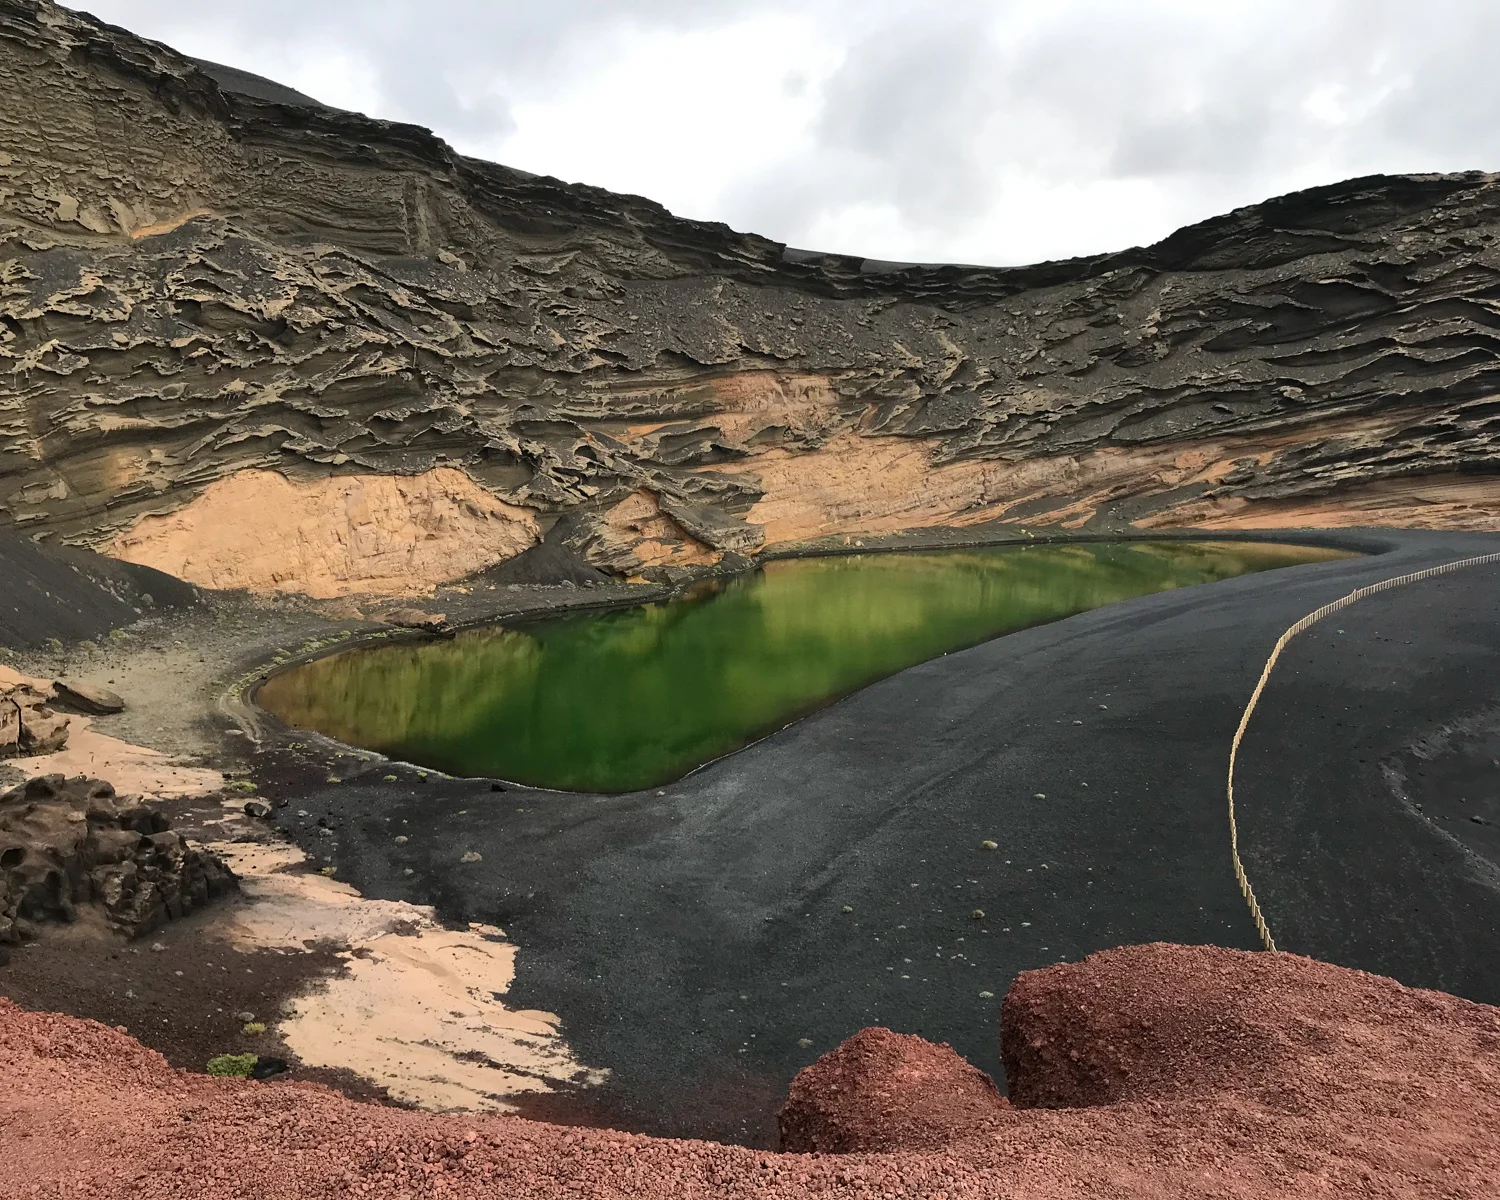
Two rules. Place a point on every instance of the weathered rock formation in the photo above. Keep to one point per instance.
(66, 844)
(28, 723)
(204, 280)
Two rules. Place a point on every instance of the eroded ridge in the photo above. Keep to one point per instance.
(210, 282)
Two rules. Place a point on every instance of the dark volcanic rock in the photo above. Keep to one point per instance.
(69, 843)
(259, 283)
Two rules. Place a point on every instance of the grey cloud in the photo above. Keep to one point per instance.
(941, 110)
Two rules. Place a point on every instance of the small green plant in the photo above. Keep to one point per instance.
(239, 785)
(250, 1030)
(232, 1065)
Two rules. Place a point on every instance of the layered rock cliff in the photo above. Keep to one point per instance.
(233, 320)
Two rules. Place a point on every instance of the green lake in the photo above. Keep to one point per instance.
(618, 700)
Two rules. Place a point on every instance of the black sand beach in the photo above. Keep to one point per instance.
(695, 940)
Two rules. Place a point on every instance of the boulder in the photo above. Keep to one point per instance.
(67, 843)
(413, 618)
(28, 725)
(85, 698)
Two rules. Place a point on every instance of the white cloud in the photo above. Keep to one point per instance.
(968, 130)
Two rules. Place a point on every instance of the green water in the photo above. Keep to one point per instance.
(627, 699)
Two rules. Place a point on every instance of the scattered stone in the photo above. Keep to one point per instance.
(407, 871)
(1040, 796)
(986, 995)
(401, 839)
(471, 856)
(987, 844)
(1478, 820)
(157, 947)
(244, 1018)
(805, 1043)
(977, 914)
(257, 808)
(84, 698)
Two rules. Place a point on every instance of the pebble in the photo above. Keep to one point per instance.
(401, 839)
(1040, 796)
(987, 844)
(471, 856)
(157, 946)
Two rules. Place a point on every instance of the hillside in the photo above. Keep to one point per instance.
(271, 344)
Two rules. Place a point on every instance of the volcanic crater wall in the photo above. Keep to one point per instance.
(197, 283)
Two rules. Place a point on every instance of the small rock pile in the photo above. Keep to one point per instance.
(66, 844)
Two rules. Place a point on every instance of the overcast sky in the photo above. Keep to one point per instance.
(987, 131)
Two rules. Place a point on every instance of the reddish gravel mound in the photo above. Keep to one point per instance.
(888, 1091)
(1207, 1073)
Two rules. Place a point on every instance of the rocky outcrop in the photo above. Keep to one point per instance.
(68, 845)
(204, 281)
(29, 725)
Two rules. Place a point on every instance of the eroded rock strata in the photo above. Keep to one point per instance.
(203, 281)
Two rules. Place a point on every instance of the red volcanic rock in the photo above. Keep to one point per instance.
(1203, 1073)
(887, 1091)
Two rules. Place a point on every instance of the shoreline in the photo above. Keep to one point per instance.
(223, 739)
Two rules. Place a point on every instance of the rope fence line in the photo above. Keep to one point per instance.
(1307, 622)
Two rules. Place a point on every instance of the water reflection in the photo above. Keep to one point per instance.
(615, 701)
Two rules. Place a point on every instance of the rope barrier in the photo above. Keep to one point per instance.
(1307, 622)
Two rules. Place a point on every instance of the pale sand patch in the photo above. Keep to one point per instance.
(133, 770)
(348, 534)
(418, 1010)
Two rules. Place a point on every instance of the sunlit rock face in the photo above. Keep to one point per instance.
(201, 279)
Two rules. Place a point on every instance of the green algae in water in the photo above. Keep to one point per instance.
(631, 698)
